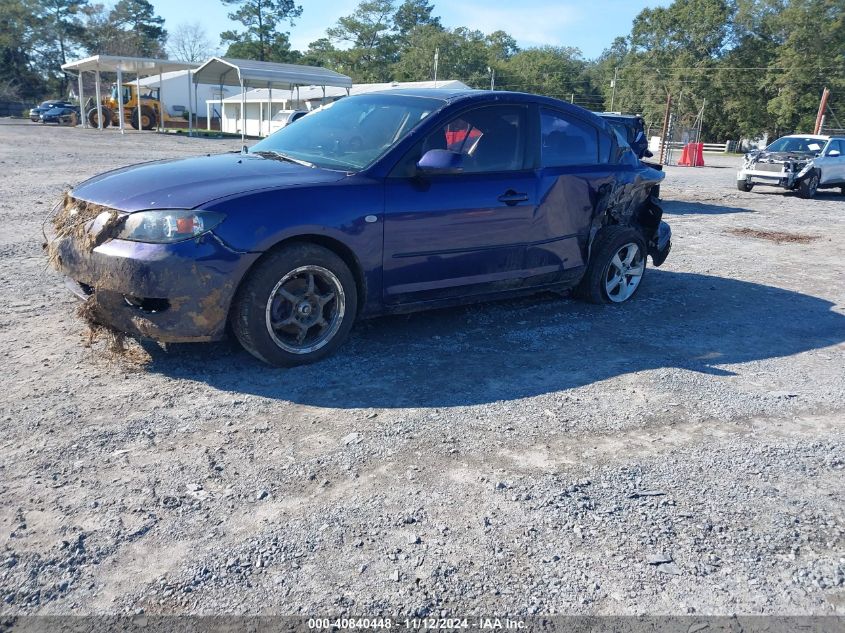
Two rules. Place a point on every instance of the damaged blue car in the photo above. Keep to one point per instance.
(374, 204)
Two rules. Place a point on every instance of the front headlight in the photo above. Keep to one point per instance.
(168, 225)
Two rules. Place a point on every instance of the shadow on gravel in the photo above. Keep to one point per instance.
(515, 349)
(680, 207)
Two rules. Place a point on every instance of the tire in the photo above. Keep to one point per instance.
(148, 118)
(601, 270)
(744, 185)
(107, 117)
(808, 187)
(276, 293)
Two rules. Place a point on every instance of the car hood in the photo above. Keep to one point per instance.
(784, 156)
(191, 182)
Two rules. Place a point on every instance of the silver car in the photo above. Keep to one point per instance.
(799, 162)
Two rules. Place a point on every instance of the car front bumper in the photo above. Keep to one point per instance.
(168, 292)
(782, 178)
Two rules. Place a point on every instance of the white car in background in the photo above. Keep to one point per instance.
(283, 118)
(799, 162)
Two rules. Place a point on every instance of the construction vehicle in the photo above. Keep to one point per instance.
(150, 105)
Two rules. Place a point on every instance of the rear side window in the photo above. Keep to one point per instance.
(567, 140)
(836, 145)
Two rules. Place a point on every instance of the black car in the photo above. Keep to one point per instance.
(60, 114)
(36, 112)
(632, 129)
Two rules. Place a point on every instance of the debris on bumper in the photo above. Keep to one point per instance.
(178, 292)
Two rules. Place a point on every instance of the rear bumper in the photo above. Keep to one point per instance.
(661, 245)
(168, 292)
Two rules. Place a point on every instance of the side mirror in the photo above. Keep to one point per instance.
(647, 153)
(441, 161)
(834, 153)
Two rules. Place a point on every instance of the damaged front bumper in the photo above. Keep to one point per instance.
(177, 292)
(775, 174)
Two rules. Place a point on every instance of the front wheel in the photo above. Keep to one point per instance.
(744, 185)
(296, 307)
(809, 185)
(94, 117)
(616, 268)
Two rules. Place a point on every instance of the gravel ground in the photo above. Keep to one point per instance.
(680, 454)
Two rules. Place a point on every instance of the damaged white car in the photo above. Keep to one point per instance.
(799, 162)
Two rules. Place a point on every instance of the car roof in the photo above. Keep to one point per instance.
(821, 137)
(469, 95)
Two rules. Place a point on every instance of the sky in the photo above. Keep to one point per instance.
(589, 26)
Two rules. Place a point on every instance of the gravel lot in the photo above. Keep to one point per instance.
(681, 454)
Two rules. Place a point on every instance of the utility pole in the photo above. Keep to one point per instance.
(436, 59)
(664, 143)
(822, 108)
(613, 88)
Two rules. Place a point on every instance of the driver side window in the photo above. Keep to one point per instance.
(490, 139)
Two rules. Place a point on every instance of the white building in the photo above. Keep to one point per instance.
(177, 92)
(262, 104)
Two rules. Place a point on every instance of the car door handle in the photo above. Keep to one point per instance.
(511, 197)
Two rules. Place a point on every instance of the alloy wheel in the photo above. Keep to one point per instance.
(624, 273)
(305, 309)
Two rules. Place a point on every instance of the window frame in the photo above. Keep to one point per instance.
(607, 148)
(529, 150)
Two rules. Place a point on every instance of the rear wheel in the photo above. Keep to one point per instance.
(148, 118)
(808, 187)
(616, 268)
(296, 307)
(744, 185)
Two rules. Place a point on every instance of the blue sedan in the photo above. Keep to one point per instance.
(375, 204)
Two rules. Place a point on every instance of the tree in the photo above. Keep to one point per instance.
(553, 71)
(368, 34)
(463, 54)
(261, 18)
(138, 19)
(19, 25)
(810, 55)
(412, 14)
(131, 28)
(60, 32)
(189, 43)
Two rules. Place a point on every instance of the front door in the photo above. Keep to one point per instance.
(462, 234)
(832, 166)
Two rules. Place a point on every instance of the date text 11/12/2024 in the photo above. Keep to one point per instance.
(480, 623)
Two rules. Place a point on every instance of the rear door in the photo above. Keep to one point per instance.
(574, 174)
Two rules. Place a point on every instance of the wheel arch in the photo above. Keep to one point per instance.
(336, 246)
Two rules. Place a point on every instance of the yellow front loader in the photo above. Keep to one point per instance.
(151, 111)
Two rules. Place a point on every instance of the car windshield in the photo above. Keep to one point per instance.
(796, 144)
(351, 133)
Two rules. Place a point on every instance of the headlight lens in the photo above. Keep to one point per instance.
(168, 225)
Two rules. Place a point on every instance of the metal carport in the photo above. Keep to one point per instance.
(140, 66)
(245, 73)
